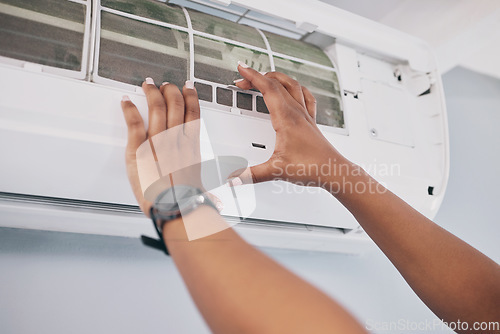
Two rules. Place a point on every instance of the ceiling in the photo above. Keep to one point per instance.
(462, 32)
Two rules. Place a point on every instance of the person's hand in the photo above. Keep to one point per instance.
(301, 149)
(168, 109)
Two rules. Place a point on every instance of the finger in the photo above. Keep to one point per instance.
(311, 104)
(156, 107)
(192, 104)
(244, 83)
(135, 124)
(256, 79)
(254, 174)
(192, 112)
(262, 173)
(274, 93)
(216, 200)
(292, 86)
(136, 136)
(175, 105)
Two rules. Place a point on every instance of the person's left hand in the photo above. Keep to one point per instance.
(167, 108)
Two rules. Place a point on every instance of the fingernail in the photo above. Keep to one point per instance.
(189, 84)
(164, 83)
(150, 81)
(263, 73)
(242, 64)
(219, 205)
(238, 80)
(125, 98)
(235, 182)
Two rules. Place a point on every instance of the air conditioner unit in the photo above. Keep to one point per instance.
(66, 64)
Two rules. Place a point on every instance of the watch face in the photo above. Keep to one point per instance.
(183, 192)
(171, 200)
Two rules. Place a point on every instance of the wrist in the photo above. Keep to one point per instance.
(204, 219)
(344, 177)
(173, 229)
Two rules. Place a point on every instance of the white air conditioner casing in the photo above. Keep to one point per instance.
(62, 139)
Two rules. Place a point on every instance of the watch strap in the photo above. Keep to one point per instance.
(155, 243)
(158, 223)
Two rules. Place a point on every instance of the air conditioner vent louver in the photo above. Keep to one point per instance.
(69, 203)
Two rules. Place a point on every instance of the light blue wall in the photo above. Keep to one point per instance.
(68, 283)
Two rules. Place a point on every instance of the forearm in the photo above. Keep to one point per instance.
(455, 280)
(238, 289)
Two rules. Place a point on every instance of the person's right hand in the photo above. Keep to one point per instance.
(301, 149)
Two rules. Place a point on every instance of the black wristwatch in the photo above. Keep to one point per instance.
(172, 204)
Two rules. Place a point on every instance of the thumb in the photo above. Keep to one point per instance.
(254, 174)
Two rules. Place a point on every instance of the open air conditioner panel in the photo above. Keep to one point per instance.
(129, 49)
(380, 103)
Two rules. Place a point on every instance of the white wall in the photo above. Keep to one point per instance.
(67, 283)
